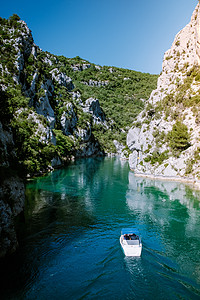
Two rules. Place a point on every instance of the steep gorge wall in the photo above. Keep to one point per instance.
(27, 101)
(165, 139)
(183, 55)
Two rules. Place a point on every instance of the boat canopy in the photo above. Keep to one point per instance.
(130, 231)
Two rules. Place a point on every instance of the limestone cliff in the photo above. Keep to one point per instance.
(183, 55)
(164, 140)
(40, 97)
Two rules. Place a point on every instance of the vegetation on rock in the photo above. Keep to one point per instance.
(179, 137)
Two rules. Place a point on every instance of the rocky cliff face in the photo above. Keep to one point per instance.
(164, 140)
(38, 78)
(183, 55)
(11, 192)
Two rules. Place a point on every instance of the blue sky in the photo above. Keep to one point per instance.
(123, 33)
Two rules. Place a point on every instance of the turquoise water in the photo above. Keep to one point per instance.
(69, 237)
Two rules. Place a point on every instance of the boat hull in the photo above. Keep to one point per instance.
(131, 250)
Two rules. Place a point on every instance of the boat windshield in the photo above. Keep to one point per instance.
(131, 237)
(130, 231)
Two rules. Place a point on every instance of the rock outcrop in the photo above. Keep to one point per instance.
(92, 107)
(164, 140)
(96, 83)
(183, 55)
(12, 197)
(69, 119)
(12, 192)
(62, 79)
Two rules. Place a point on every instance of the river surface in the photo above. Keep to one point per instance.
(69, 237)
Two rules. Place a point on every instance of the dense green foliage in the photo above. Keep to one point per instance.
(121, 92)
(179, 137)
(157, 157)
(64, 144)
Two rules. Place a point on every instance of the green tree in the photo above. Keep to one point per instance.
(64, 144)
(14, 17)
(179, 137)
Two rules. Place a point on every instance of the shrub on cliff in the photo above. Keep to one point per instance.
(179, 137)
(64, 144)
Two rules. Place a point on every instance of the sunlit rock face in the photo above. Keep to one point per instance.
(177, 86)
(182, 56)
(93, 107)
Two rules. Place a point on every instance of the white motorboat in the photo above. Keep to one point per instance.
(131, 242)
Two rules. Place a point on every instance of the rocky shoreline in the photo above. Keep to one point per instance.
(192, 182)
